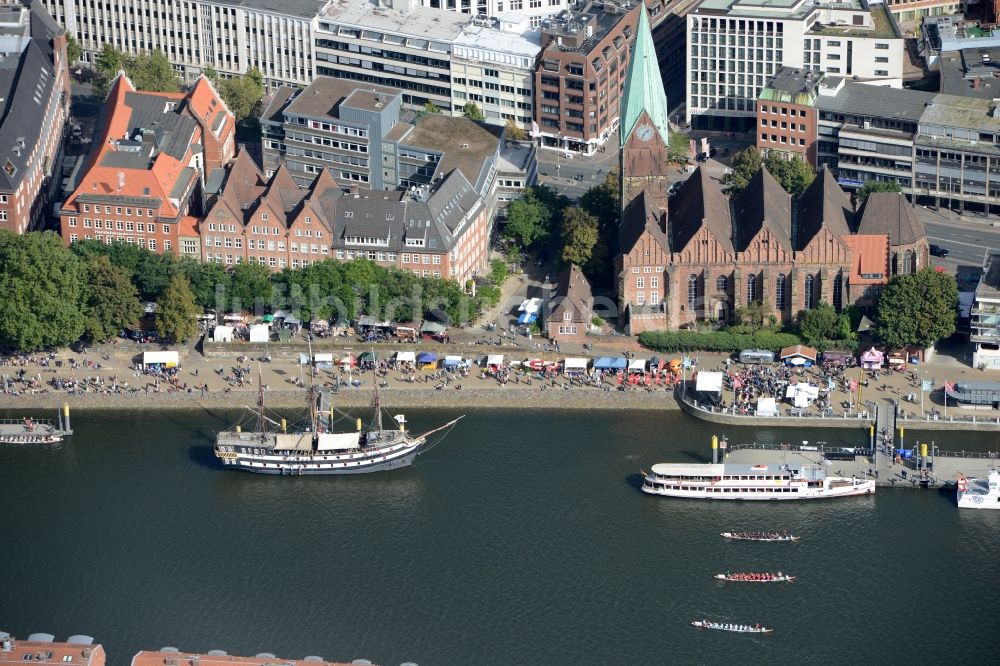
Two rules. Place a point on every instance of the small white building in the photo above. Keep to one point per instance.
(984, 317)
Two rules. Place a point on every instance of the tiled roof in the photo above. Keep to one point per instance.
(700, 202)
(823, 204)
(166, 657)
(573, 292)
(891, 214)
(764, 203)
(869, 256)
(77, 650)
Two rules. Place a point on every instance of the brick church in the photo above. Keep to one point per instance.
(697, 256)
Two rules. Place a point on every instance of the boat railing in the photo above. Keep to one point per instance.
(43, 422)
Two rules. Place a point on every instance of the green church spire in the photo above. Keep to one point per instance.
(643, 84)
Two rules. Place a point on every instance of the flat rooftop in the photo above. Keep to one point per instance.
(989, 284)
(965, 112)
(325, 94)
(465, 144)
(298, 8)
(165, 656)
(526, 44)
(862, 99)
(420, 23)
(966, 73)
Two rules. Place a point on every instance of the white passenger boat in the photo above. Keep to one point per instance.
(759, 536)
(750, 482)
(728, 626)
(979, 493)
(756, 577)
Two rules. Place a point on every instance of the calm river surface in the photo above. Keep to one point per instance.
(520, 539)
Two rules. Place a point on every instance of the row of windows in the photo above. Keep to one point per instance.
(118, 210)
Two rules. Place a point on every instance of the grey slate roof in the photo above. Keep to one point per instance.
(823, 204)
(296, 8)
(764, 203)
(700, 202)
(572, 292)
(891, 214)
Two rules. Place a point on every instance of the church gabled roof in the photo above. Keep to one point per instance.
(700, 203)
(823, 204)
(891, 214)
(640, 216)
(764, 203)
(643, 84)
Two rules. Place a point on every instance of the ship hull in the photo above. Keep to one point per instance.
(310, 470)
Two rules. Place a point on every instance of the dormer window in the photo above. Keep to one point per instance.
(567, 316)
(309, 220)
(348, 213)
(263, 217)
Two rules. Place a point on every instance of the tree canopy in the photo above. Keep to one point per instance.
(875, 186)
(472, 111)
(42, 284)
(530, 219)
(792, 173)
(514, 131)
(680, 146)
(242, 94)
(73, 50)
(818, 323)
(177, 311)
(579, 235)
(111, 303)
(149, 71)
(917, 309)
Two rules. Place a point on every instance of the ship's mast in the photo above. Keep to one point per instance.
(378, 409)
(261, 420)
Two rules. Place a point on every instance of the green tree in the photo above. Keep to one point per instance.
(745, 164)
(818, 323)
(680, 147)
(526, 222)
(152, 72)
(754, 315)
(210, 73)
(498, 272)
(874, 186)
(472, 111)
(177, 312)
(111, 303)
(579, 235)
(604, 201)
(250, 285)
(792, 172)
(431, 107)
(205, 277)
(109, 61)
(917, 309)
(242, 94)
(514, 131)
(73, 50)
(42, 286)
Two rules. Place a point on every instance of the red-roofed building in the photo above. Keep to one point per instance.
(869, 267)
(76, 651)
(147, 165)
(173, 657)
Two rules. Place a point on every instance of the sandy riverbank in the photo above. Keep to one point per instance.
(396, 398)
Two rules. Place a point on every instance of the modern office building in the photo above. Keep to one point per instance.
(439, 57)
(786, 114)
(231, 36)
(34, 107)
(909, 11)
(142, 180)
(581, 74)
(984, 317)
(736, 46)
(533, 10)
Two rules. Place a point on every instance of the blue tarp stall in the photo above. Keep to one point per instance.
(611, 363)
(426, 358)
(527, 318)
(303, 359)
(452, 361)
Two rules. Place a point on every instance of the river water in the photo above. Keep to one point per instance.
(520, 539)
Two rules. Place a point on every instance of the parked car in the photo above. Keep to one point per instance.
(938, 251)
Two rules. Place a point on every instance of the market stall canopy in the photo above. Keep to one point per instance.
(710, 382)
(575, 364)
(292, 321)
(451, 361)
(801, 394)
(798, 351)
(427, 357)
(223, 333)
(368, 357)
(323, 358)
(530, 305)
(767, 407)
(611, 363)
(406, 357)
(527, 318)
(260, 333)
(328, 441)
(873, 356)
(170, 359)
(369, 321)
(432, 327)
(268, 318)
(637, 365)
(494, 359)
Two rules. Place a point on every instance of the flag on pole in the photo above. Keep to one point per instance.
(927, 385)
(534, 129)
(704, 145)
(949, 387)
(692, 148)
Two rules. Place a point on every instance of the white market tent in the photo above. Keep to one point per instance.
(637, 365)
(406, 357)
(494, 359)
(801, 395)
(170, 359)
(223, 334)
(577, 364)
(323, 358)
(260, 333)
(710, 382)
(767, 407)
